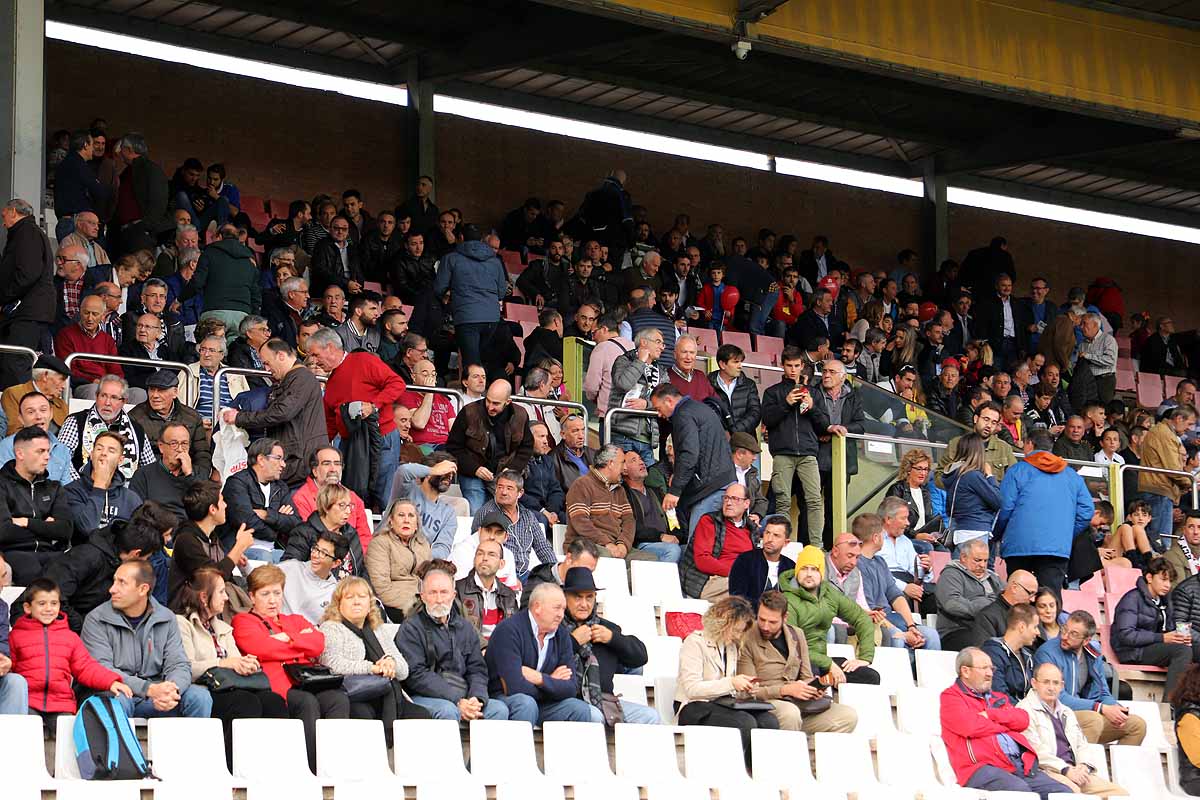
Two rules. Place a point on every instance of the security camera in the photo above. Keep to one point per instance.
(741, 49)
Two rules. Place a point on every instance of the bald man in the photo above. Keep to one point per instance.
(432, 414)
(487, 437)
(87, 336)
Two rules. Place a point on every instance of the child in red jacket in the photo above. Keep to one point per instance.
(50, 656)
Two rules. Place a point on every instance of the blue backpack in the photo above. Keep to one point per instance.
(106, 747)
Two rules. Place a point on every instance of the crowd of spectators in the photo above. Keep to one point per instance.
(224, 521)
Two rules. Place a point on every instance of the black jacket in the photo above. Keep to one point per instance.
(154, 482)
(175, 342)
(305, 535)
(326, 267)
(1013, 671)
(703, 463)
(1154, 356)
(620, 654)
(410, 276)
(542, 573)
(542, 278)
(35, 501)
(295, 415)
(940, 401)
(852, 421)
(84, 574)
(540, 344)
(137, 376)
(362, 450)
(241, 355)
(991, 622)
(744, 413)
(243, 496)
(27, 274)
(789, 431)
(572, 293)
(900, 489)
(809, 326)
(748, 575)
(1185, 600)
(989, 316)
(377, 254)
(200, 446)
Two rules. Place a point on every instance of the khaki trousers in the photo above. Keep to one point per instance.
(837, 719)
(715, 588)
(1096, 786)
(1099, 730)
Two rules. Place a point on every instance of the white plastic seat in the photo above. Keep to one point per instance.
(834, 650)
(574, 750)
(916, 711)
(434, 790)
(289, 752)
(1011, 795)
(656, 581)
(367, 790)
(559, 535)
(1148, 711)
(99, 790)
(611, 577)
(1138, 770)
(631, 688)
(189, 750)
(1097, 756)
(286, 790)
(748, 791)
(663, 653)
(873, 705)
(905, 762)
(837, 750)
(646, 754)
(935, 668)
(894, 668)
(352, 750)
(10, 594)
(633, 614)
(941, 759)
(66, 768)
(502, 750)
(187, 791)
(713, 756)
(529, 790)
(23, 756)
(780, 758)
(431, 751)
(22, 792)
(664, 698)
(615, 789)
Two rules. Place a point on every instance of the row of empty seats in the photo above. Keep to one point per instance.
(188, 757)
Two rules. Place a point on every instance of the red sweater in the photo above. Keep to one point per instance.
(49, 657)
(699, 388)
(362, 377)
(72, 339)
(253, 636)
(788, 309)
(737, 541)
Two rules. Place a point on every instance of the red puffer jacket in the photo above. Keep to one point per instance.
(48, 657)
(971, 739)
(254, 637)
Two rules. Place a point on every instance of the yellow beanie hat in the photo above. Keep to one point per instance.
(811, 557)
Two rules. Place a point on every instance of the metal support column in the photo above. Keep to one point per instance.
(421, 131)
(22, 101)
(934, 222)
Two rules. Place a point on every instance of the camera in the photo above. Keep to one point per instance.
(741, 49)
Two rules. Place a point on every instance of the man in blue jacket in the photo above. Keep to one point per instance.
(1010, 653)
(1044, 506)
(477, 282)
(531, 660)
(1085, 689)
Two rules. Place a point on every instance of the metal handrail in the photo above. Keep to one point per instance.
(223, 370)
(549, 401)
(878, 437)
(606, 420)
(1160, 470)
(187, 395)
(16, 348)
(767, 367)
(456, 397)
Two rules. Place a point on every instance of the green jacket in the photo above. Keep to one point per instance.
(227, 277)
(814, 614)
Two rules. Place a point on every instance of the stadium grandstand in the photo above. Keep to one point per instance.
(563, 398)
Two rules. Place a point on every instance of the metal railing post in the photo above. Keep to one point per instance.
(456, 397)
(841, 481)
(1116, 489)
(549, 401)
(187, 397)
(606, 420)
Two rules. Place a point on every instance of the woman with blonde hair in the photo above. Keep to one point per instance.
(913, 487)
(332, 514)
(972, 493)
(709, 681)
(362, 647)
(871, 315)
(395, 552)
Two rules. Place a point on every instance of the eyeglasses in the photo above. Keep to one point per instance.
(176, 445)
(921, 469)
(141, 327)
(208, 350)
(316, 551)
(1069, 635)
(62, 260)
(345, 504)
(274, 457)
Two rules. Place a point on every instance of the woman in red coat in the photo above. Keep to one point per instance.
(276, 639)
(49, 655)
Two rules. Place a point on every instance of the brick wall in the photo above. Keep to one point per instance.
(284, 142)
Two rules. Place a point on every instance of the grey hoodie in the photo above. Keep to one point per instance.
(961, 596)
(151, 654)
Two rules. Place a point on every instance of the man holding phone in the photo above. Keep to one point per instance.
(792, 424)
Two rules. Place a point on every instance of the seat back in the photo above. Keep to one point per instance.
(98, 790)
(664, 697)
(529, 789)
(713, 756)
(351, 750)
(633, 614)
(894, 668)
(611, 577)
(873, 706)
(914, 711)
(188, 749)
(771, 346)
(440, 790)
(1149, 390)
(1097, 756)
(575, 751)
(283, 790)
(935, 668)
(656, 581)
(1148, 710)
(904, 760)
(432, 751)
(938, 560)
(738, 339)
(1138, 770)
(66, 768)
(663, 658)
(630, 688)
(289, 754)
(502, 750)
(780, 758)
(646, 753)
(706, 338)
(1079, 600)
(835, 751)
(1120, 580)
(23, 757)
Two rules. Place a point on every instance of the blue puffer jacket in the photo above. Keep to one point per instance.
(1044, 505)
(1013, 670)
(477, 282)
(1094, 691)
(974, 498)
(1137, 623)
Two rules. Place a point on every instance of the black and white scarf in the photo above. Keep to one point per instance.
(94, 425)
(1192, 562)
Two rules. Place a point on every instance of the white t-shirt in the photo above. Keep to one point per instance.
(773, 573)
(919, 499)
(303, 592)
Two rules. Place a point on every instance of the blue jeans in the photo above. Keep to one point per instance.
(273, 556)
(471, 338)
(444, 709)
(889, 639)
(215, 212)
(473, 490)
(705, 505)
(643, 449)
(524, 707)
(14, 694)
(1161, 522)
(635, 714)
(994, 779)
(389, 462)
(761, 312)
(664, 551)
(194, 702)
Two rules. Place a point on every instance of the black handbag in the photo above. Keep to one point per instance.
(313, 677)
(362, 688)
(744, 705)
(224, 679)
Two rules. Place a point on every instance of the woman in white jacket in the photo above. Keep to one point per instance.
(362, 647)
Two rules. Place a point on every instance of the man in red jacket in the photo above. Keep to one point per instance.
(86, 336)
(362, 380)
(983, 732)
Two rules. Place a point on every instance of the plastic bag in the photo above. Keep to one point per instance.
(229, 450)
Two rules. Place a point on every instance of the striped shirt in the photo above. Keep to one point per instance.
(204, 405)
(524, 535)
